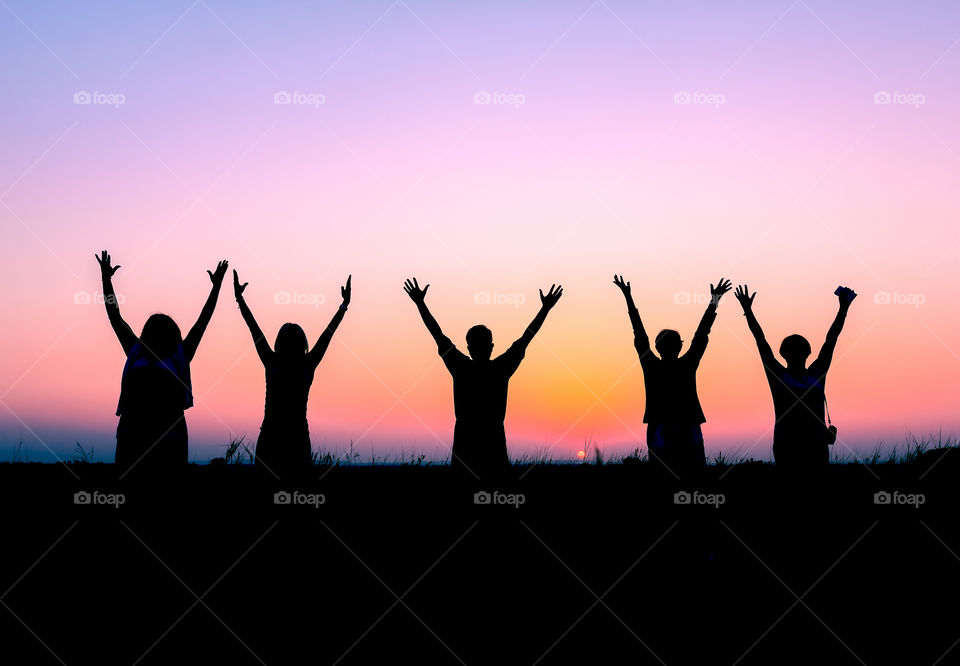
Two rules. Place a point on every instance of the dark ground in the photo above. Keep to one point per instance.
(599, 565)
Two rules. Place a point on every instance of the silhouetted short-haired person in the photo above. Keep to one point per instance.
(673, 414)
(480, 386)
(798, 390)
(155, 388)
(283, 447)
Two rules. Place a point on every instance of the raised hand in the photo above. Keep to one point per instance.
(717, 292)
(744, 297)
(552, 296)
(846, 295)
(345, 292)
(624, 286)
(237, 287)
(123, 331)
(216, 277)
(106, 270)
(414, 291)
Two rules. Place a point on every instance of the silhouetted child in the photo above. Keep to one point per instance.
(155, 388)
(800, 436)
(283, 447)
(480, 387)
(673, 414)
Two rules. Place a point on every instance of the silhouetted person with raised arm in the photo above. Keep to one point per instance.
(155, 389)
(283, 447)
(673, 414)
(800, 436)
(480, 386)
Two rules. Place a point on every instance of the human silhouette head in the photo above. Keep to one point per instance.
(161, 335)
(668, 343)
(480, 343)
(795, 349)
(291, 341)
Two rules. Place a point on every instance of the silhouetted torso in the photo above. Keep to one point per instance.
(288, 387)
(671, 388)
(480, 405)
(798, 407)
(671, 384)
(284, 441)
(154, 393)
(480, 387)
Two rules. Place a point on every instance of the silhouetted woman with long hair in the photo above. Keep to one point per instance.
(283, 447)
(155, 388)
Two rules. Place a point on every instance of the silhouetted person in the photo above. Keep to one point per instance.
(673, 414)
(283, 447)
(155, 388)
(800, 435)
(480, 386)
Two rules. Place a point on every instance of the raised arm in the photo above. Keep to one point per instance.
(319, 349)
(417, 295)
(640, 339)
(746, 301)
(700, 338)
(259, 341)
(192, 341)
(124, 333)
(845, 296)
(547, 301)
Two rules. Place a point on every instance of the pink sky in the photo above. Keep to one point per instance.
(793, 180)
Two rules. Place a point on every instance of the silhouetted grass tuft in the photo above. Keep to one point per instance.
(81, 455)
(238, 453)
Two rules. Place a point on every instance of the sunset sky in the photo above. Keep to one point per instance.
(485, 148)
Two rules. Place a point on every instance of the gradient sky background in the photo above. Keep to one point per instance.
(797, 181)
